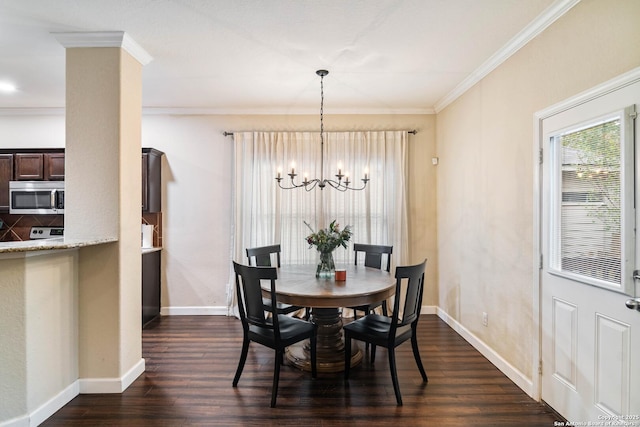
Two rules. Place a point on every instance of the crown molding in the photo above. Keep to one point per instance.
(537, 26)
(103, 39)
(196, 111)
(188, 111)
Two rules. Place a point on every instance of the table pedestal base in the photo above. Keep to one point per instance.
(330, 344)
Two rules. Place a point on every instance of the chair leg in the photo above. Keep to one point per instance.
(394, 374)
(276, 378)
(347, 356)
(416, 355)
(373, 353)
(243, 359)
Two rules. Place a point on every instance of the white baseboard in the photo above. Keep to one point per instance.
(111, 385)
(195, 311)
(84, 386)
(505, 367)
(53, 405)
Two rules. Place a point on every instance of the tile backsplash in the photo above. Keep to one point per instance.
(154, 219)
(17, 227)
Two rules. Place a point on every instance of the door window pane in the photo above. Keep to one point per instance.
(588, 240)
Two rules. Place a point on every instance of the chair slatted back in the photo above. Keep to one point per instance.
(373, 255)
(262, 255)
(409, 291)
(249, 292)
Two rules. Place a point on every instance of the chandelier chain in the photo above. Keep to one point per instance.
(322, 128)
(321, 107)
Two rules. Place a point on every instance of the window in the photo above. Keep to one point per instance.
(266, 214)
(590, 212)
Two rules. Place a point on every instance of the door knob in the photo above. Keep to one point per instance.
(633, 303)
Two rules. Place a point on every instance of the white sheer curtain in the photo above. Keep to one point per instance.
(264, 214)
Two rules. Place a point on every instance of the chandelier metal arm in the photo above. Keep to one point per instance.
(306, 184)
(344, 185)
(311, 184)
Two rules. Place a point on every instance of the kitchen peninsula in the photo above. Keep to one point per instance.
(41, 328)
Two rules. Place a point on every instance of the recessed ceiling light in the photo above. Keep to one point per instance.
(7, 87)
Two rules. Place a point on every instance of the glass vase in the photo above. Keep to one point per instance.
(326, 267)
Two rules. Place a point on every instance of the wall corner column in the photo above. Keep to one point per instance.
(103, 201)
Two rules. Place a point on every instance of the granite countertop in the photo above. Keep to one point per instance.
(59, 243)
(50, 244)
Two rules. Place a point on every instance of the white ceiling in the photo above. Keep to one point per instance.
(253, 56)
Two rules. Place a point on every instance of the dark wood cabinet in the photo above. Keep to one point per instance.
(6, 175)
(39, 166)
(151, 180)
(54, 166)
(150, 286)
(29, 166)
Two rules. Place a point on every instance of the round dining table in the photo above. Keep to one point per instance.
(298, 285)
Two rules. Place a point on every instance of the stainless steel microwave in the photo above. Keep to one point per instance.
(36, 197)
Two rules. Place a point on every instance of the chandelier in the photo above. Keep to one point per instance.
(341, 183)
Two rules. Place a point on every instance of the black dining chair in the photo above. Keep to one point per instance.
(390, 332)
(373, 255)
(262, 256)
(276, 332)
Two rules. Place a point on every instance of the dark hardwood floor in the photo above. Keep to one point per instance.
(191, 360)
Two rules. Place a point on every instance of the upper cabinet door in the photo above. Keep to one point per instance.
(29, 167)
(151, 180)
(54, 166)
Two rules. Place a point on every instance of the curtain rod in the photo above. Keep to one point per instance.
(225, 133)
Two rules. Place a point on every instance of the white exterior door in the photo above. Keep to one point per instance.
(590, 340)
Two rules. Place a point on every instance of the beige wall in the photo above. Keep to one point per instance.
(103, 187)
(485, 178)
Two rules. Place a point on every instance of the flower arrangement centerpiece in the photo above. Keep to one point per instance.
(326, 240)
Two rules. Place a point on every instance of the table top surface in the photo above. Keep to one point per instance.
(297, 284)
